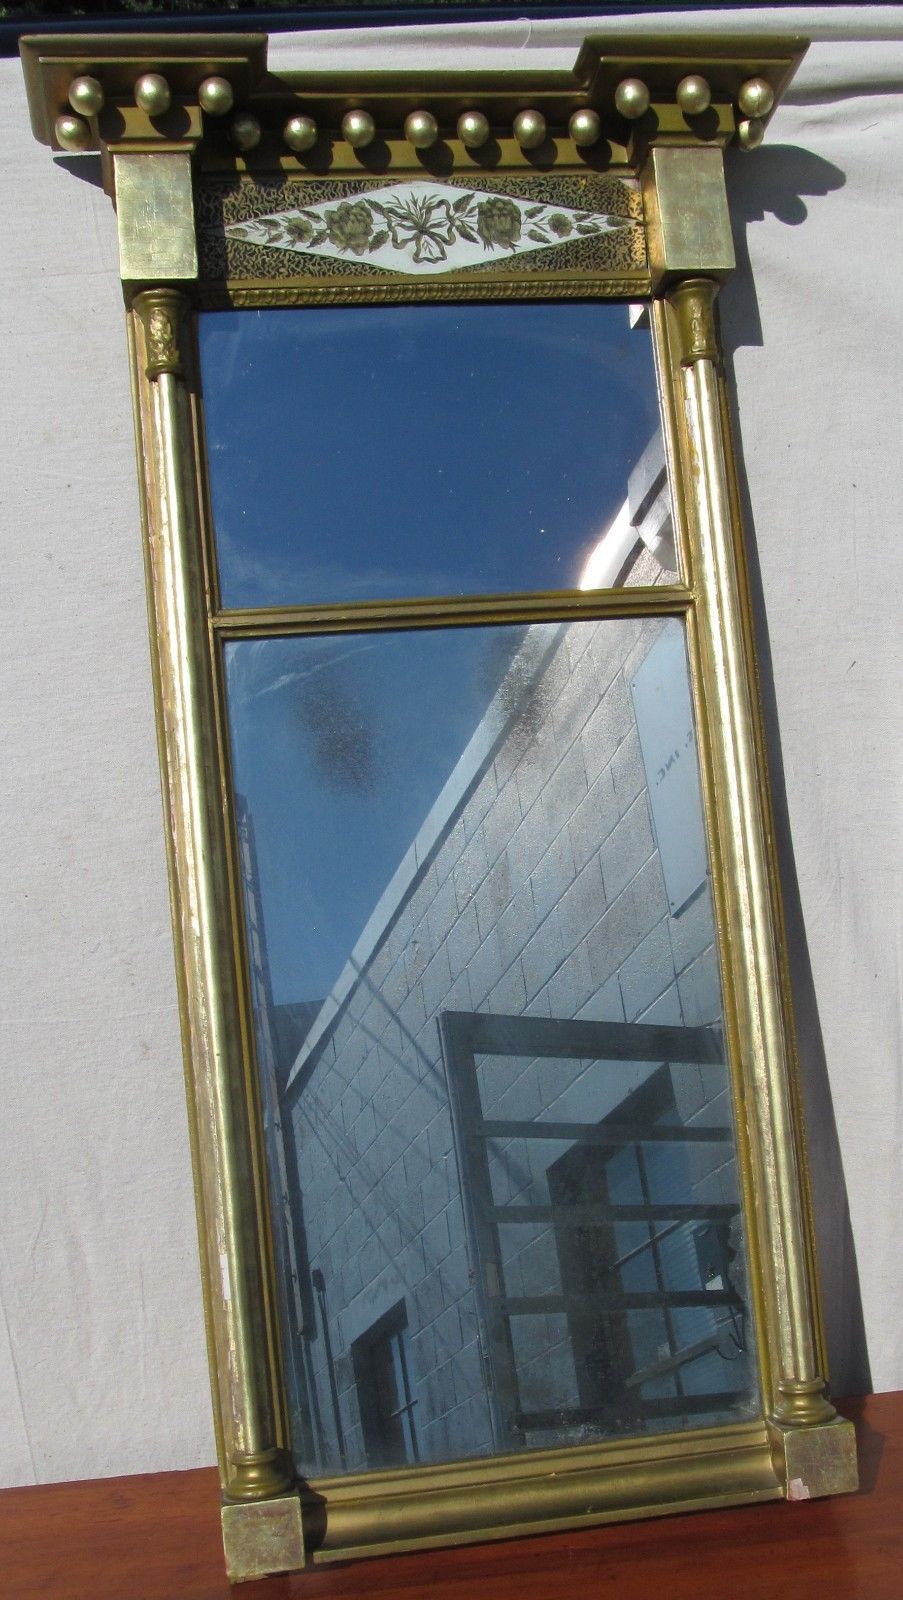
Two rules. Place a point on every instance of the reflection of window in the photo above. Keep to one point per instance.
(381, 1362)
(602, 1269)
(644, 1269)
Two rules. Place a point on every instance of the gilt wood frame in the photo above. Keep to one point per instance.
(159, 163)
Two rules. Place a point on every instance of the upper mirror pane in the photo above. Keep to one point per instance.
(375, 453)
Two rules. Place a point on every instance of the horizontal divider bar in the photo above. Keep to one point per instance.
(557, 1039)
(691, 1404)
(455, 611)
(572, 1416)
(586, 1216)
(608, 1133)
(537, 1305)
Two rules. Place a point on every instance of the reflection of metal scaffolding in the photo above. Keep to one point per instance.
(467, 1036)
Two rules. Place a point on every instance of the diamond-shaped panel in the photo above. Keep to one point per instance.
(421, 227)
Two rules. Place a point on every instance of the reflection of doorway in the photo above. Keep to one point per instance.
(381, 1363)
(636, 1300)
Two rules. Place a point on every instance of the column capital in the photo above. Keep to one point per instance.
(161, 312)
(693, 300)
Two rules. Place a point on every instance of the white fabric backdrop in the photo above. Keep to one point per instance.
(102, 1359)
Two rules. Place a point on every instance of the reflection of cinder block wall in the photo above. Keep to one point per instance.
(544, 894)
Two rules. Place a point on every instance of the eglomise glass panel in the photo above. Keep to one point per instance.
(489, 1028)
(383, 452)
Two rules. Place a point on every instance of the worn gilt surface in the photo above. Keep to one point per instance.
(643, 213)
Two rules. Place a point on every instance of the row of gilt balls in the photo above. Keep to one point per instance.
(632, 99)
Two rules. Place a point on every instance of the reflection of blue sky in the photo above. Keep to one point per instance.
(389, 451)
(340, 746)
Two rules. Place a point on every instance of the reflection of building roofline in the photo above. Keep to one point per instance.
(644, 518)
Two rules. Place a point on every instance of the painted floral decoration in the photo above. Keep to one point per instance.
(498, 222)
(300, 230)
(350, 226)
(422, 225)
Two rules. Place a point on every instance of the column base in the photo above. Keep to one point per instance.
(803, 1403)
(263, 1537)
(817, 1460)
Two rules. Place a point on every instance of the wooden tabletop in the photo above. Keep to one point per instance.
(157, 1538)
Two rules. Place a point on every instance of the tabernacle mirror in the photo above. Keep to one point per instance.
(501, 1189)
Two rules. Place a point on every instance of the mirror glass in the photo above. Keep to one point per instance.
(489, 1034)
(368, 453)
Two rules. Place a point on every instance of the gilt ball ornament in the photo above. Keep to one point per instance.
(632, 98)
(585, 126)
(473, 129)
(153, 94)
(216, 96)
(358, 129)
(86, 96)
(750, 133)
(421, 129)
(245, 131)
(530, 129)
(72, 133)
(693, 95)
(756, 97)
(300, 133)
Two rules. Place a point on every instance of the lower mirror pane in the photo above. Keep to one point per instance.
(489, 1034)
